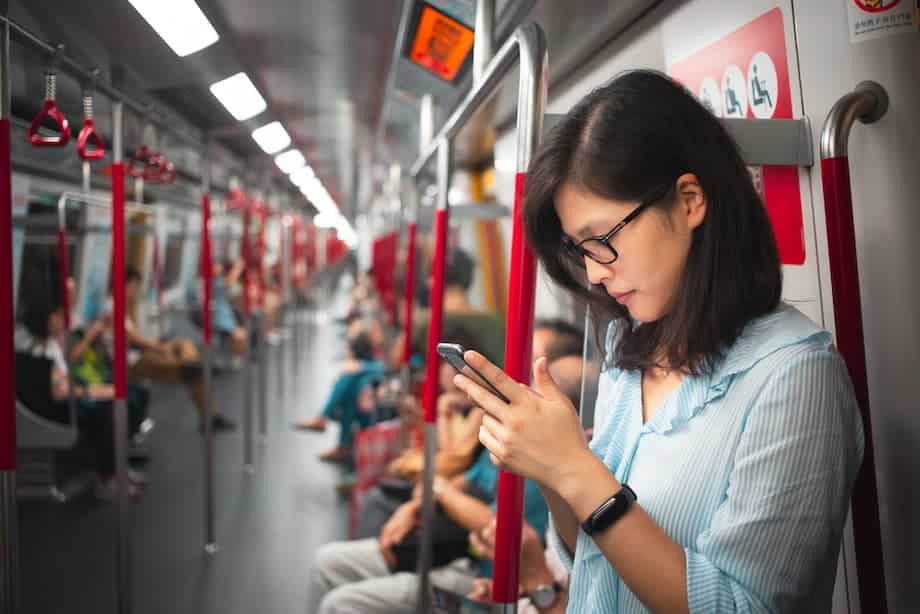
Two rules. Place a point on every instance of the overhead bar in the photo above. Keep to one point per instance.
(22, 35)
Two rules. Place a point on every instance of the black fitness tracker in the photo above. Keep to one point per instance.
(609, 511)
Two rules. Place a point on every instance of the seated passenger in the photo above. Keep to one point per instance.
(342, 405)
(223, 318)
(169, 362)
(377, 574)
(543, 578)
(488, 328)
(45, 389)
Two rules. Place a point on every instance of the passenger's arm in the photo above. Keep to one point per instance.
(138, 340)
(466, 510)
(92, 333)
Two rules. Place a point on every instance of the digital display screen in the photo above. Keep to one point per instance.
(441, 44)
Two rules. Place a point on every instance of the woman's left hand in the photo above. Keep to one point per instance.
(538, 435)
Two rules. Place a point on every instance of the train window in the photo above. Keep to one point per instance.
(172, 264)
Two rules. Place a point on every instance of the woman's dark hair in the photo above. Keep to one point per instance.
(361, 347)
(631, 140)
(132, 274)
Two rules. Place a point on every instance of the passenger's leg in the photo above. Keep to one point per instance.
(341, 563)
(393, 594)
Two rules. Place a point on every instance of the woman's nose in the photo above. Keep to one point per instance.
(597, 272)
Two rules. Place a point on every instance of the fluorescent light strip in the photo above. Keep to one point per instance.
(290, 161)
(180, 23)
(239, 96)
(272, 137)
(301, 176)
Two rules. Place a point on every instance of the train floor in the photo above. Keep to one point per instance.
(268, 523)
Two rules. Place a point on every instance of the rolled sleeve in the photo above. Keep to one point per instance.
(773, 543)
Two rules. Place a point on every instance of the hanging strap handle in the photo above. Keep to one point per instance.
(50, 111)
(88, 134)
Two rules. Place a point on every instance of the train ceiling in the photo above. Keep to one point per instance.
(325, 67)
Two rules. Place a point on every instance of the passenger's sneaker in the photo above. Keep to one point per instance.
(345, 487)
(222, 423)
(317, 424)
(340, 454)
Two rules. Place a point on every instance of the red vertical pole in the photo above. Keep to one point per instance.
(518, 348)
(841, 245)
(409, 292)
(9, 533)
(206, 276)
(7, 359)
(868, 102)
(438, 265)
(118, 280)
(246, 250)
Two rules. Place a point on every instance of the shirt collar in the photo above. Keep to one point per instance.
(783, 327)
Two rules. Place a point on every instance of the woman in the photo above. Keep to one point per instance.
(729, 414)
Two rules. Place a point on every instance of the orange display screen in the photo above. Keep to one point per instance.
(441, 43)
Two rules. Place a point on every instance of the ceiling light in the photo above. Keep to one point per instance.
(325, 220)
(180, 23)
(239, 96)
(290, 161)
(301, 176)
(272, 137)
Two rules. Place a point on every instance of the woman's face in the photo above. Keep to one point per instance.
(652, 248)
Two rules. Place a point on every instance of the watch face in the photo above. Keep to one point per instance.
(543, 596)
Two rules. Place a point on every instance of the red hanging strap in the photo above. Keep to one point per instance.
(50, 111)
(88, 134)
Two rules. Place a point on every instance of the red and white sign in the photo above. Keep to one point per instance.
(746, 75)
(871, 19)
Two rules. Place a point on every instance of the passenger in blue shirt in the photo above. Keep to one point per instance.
(342, 406)
(729, 414)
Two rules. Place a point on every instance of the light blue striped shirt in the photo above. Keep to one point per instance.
(749, 469)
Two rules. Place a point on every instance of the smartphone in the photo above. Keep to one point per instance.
(453, 353)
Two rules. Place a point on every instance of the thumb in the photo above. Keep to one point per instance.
(544, 382)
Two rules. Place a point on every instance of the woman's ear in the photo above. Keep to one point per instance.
(692, 199)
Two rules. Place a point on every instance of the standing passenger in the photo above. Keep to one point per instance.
(729, 414)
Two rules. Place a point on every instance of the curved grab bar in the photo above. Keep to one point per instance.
(867, 103)
(50, 111)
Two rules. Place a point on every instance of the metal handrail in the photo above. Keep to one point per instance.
(528, 46)
(867, 103)
(526, 42)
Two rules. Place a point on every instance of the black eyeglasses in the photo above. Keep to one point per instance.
(599, 248)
